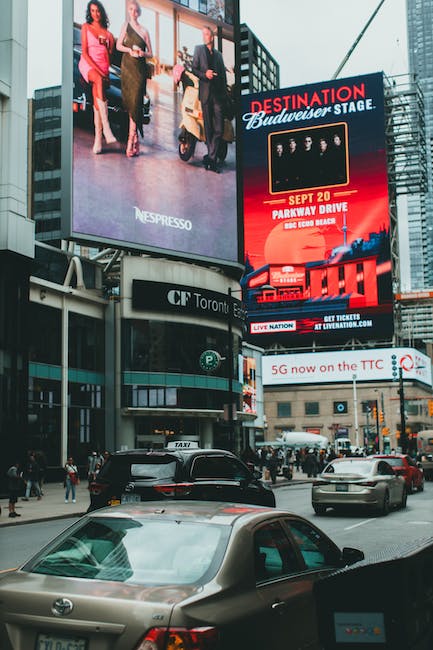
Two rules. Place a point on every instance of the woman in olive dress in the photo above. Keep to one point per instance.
(134, 42)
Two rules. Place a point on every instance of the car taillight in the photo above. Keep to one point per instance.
(368, 483)
(174, 489)
(174, 638)
(97, 488)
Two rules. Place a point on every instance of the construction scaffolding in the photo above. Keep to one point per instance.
(407, 163)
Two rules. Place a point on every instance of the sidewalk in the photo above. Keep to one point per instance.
(53, 506)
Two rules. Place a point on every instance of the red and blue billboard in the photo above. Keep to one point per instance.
(316, 213)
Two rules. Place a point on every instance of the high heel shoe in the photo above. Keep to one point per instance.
(136, 145)
(130, 147)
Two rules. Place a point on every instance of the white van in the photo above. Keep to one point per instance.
(425, 452)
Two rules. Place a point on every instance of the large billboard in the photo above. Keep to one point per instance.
(349, 365)
(140, 178)
(316, 217)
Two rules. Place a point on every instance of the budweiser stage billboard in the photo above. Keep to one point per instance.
(135, 174)
(317, 227)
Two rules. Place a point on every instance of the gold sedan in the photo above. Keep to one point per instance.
(172, 575)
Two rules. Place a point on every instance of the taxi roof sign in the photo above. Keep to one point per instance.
(182, 444)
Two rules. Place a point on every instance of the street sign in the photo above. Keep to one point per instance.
(210, 360)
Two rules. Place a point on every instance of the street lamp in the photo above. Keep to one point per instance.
(403, 438)
(355, 411)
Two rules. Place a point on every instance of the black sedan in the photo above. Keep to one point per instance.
(177, 473)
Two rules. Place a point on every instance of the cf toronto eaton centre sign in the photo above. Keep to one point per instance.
(161, 296)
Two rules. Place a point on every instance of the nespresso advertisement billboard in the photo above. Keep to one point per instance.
(350, 365)
(144, 174)
(317, 227)
(183, 299)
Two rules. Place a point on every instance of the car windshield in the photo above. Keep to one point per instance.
(136, 551)
(349, 466)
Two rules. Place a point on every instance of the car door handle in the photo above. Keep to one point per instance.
(279, 606)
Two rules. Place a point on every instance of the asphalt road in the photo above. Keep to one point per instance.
(370, 533)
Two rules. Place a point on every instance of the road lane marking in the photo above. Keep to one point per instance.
(361, 523)
(420, 523)
(7, 570)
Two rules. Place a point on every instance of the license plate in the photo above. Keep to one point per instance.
(54, 642)
(131, 498)
(341, 488)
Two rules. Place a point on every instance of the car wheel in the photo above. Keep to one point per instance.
(403, 503)
(319, 510)
(384, 510)
(187, 146)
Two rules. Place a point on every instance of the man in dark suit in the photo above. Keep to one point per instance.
(208, 66)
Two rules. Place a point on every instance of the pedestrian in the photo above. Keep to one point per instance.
(31, 477)
(15, 485)
(105, 456)
(272, 465)
(41, 460)
(71, 479)
(92, 461)
(311, 464)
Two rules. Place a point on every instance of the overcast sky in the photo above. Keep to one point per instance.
(309, 38)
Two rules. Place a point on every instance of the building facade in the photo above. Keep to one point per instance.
(16, 230)
(259, 70)
(420, 211)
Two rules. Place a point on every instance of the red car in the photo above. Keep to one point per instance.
(405, 466)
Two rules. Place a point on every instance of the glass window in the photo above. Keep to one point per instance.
(158, 346)
(44, 334)
(218, 467)
(317, 550)
(284, 409)
(86, 342)
(311, 408)
(274, 556)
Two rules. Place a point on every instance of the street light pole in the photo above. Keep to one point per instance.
(403, 439)
(355, 412)
(230, 377)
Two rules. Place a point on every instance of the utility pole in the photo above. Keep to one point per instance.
(403, 438)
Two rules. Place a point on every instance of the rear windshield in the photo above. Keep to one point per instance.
(123, 468)
(395, 462)
(136, 551)
(349, 467)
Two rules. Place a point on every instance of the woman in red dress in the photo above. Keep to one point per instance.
(97, 45)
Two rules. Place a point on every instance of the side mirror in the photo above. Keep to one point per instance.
(351, 555)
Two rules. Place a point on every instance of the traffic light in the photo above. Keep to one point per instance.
(430, 407)
(386, 431)
(381, 417)
(375, 412)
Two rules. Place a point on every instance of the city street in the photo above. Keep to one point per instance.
(370, 533)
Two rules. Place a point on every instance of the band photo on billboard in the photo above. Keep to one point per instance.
(153, 147)
(316, 213)
(307, 158)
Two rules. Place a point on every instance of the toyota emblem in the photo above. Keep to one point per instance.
(62, 607)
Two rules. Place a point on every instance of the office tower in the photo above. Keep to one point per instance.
(420, 209)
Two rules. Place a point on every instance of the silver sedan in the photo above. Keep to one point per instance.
(364, 482)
